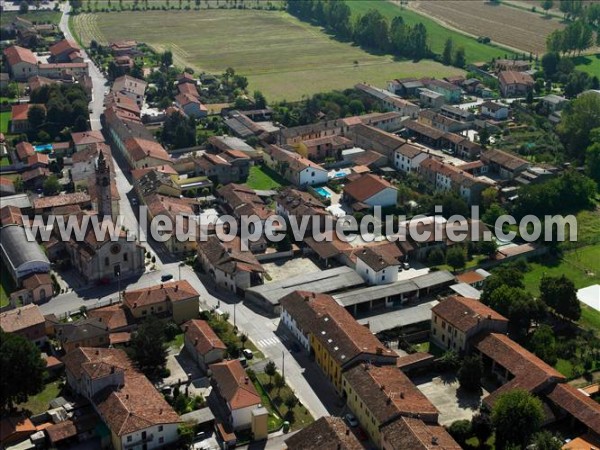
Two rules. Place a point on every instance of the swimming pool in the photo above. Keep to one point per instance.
(43, 148)
(323, 192)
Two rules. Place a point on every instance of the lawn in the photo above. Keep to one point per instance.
(263, 178)
(38, 404)
(582, 266)
(589, 64)
(33, 16)
(177, 342)
(437, 33)
(4, 121)
(6, 285)
(4, 161)
(281, 56)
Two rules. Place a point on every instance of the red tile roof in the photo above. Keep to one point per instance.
(87, 137)
(465, 313)
(16, 54)
(38, 158)
(327, 433)
(21, 318)
(414, 434)
(141, 148)
(577, 404)
(366, 186)
(10, 215)
(234, 385)
(63, 46)
(24, 149)
(173, 291)
(513, 77)
(202, 336)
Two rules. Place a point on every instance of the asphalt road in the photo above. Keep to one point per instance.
(260, 329)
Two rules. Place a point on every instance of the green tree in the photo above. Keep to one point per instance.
(482, 427)
(546, 5)
(290, 403)
(436, 257)
(470, 373)
(19, 184)
(270, 370)
(148, 347)
(260, 102)
(543, 344)
(51, 185)
(166, 59)
(24, 7)
(460, 59)
(516, 416)
(518, 306)
(592, 159)
(550, 64)
(22, 369)
(278, 382)
(559, 293)
(460, 430)
(448, 51)
(36, 116)
(243, 339)
(484, 137)
(545, 440)
(455, 257)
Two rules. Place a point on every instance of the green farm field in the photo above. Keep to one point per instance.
(34, 16)
(281, 56)
(438, 34)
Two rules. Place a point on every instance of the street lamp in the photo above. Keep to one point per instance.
(119, 282)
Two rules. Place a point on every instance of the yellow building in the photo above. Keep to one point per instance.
(335, 338)
(378, 396)
(176, 299)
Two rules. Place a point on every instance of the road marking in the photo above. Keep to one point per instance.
(267, 342)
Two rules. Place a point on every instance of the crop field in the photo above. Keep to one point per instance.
(281, 56)
(518, 29)
(437, 34)
(34, 16)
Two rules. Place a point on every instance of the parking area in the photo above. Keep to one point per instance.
(453, 403)
(283, 269)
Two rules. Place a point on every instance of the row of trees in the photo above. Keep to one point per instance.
(371, 30)
(450, 56)
(574, 38)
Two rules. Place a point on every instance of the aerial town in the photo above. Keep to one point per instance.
(300, 224)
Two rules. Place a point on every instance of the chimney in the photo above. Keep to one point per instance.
(162, 286)
(314, 294)
(176, 287)
(97, 352)
(401, 394)
(434, 440)
(489, 317)
(245, 380)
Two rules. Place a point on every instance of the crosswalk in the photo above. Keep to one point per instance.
(269, 342)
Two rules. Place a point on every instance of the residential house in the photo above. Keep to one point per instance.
(455, 320)
(390, 102)
(553, 103)
(24, 151)
(35, 288)
(183, 213)
(202, 343)
(414, 433)
(65, 51)
(451, 92)
(21, 62)
(494, 110)
(446, 177)
(230, 166)
(20, 118)
(295, 168)
(378, 264)
(60, 71)
(131, 87)
(337, 341)
(387, 121)
(233, 387)
(34, 179)
(408, 157)
(191, 105)
(379, 396)
(431, 99)
(375, 139)
(136, 414)
(27, 322)
(442, 122)
(368, 191)
(406, 87)
(152, 181)
(325, 147)
(456, 113)
(291, 202)
(177, 300)
(84, 140)
(243, 126)
(7, 186)
(514, 65)
(232, 267)
(515, 84)
(425, 134)
(506, 165)
(327, 433)
(91, 332)
(145, 153)
(123, 48)
(239, 200)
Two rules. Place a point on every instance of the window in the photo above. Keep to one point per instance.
(106, 261)
(161, 440)
(128, 438)
(125, 257)
(160, 428)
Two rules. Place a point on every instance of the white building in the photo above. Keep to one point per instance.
(377, 267)
(408, 157)
(371, 190)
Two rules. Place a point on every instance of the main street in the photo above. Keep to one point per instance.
(260, 329)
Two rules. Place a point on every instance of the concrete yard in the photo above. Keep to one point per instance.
(280, 270)
(400, 317)
(453, 403)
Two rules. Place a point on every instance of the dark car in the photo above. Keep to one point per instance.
(166, 277)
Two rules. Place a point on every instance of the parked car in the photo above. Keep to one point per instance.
(405, 265)
(166, 277)
(351, 420)
(243, 362)
(247, 353)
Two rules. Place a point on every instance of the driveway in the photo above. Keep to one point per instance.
(452, 402)
(284, 269)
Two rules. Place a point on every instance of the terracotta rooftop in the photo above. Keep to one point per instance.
(577, 404)
(228, 256)
(379, 257)
(10, 215)
(414, 434)
(334, 327)
(202, 336)
(141, 148)
(470, 277)
(16, 54)
(327, 433)
(75, 198)
(388, 393)
(36, 280)
(63, 46)
(87, 137)
(465, 313)
(21, 318)
(20, 112)
(172, 291)
(24, 149)
(234, 385)
(366, 186)
(503, 159)
(513, 77)
(113, 316)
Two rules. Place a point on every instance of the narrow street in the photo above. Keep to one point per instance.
(260, 329)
